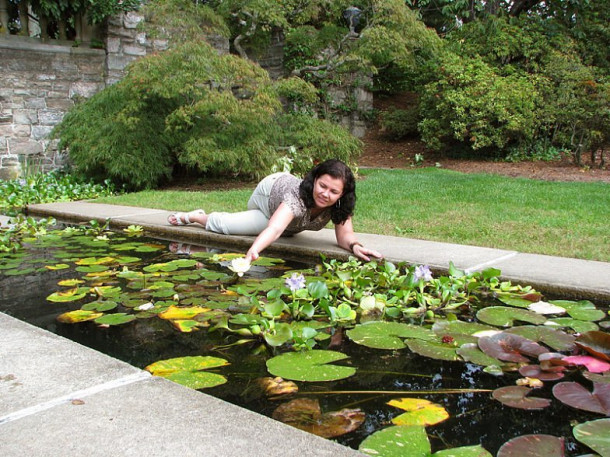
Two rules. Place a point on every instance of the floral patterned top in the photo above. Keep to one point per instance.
(286, 190)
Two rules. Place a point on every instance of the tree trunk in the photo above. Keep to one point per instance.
(522, 6)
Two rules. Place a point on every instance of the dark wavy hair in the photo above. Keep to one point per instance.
(344, 207)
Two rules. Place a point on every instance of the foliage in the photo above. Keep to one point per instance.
(20, 227)
(181, 21)
(16, 194)
(469, 103)
(193, 108)
(399, 123)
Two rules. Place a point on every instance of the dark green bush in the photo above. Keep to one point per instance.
(399, 123)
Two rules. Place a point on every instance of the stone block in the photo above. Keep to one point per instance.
(113, 45)
(10, 173)
(41, 132)
(22, 131)
(85, 89)
(115, 62)
(134, 50)
(63, 104)
(142, 39)
(45, 77)
(58, 94)
(35, 103)
(131, 20)
(24, 147)
(25, 116)
(50, 117)
(6, 117)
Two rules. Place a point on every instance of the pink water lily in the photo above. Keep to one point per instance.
(591, 363)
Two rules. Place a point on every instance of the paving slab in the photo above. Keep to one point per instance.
(60, 398)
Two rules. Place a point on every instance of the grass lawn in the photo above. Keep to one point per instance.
(567, 219)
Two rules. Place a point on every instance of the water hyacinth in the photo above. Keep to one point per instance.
(239, 265)
(422, 272)
(295, 282)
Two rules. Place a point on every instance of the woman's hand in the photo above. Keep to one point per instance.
(365, 254)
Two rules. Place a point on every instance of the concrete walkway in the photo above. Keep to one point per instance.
(60, 398)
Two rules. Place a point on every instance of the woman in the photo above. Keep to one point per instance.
(283, 204)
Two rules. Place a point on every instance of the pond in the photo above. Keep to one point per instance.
(399, 349)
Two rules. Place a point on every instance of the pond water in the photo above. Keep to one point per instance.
(29, 278)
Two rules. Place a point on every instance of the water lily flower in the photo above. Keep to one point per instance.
(145, 307)
(295, 282)
(239, 265)
(422, 272)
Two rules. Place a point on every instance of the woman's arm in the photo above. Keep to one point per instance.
(276, 226)
(346, 238)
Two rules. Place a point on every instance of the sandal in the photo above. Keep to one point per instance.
(183, 218)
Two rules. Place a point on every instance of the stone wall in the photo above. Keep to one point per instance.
(41, 80)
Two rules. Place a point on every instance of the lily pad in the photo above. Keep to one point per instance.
(503, 316)
(516, 397)
(438, 351)
(101, 306)
(387, 335)
(595, 434)
(305, 414)
(575, 395)
(115, 319)
(535, 371)
(510, 347)
(471, 352)
(574, 324)
(464, 451)
(582, 310)
(419, 412)
(593, 364)
(79, 315)
(175, 312)
(397, 441)
(557, 339)
(309, 366)
(533, 446)
(70, 295)
(595, 343)
(188, 371)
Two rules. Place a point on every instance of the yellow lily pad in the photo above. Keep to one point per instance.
(79, 315)
(177, 313)
(419, 412)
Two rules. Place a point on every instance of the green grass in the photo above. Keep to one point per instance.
(562, 219)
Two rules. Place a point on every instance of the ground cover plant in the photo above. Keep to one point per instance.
(553, 218)
(331, 324)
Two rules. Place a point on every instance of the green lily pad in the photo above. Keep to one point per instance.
(79, 315)
(582, 310)
(100, 306)
(309, 366)
(574, 324)
(503, 316)
(187, 371)
(397, 441)
(442, 327)
(558, 340)
(595, 434)
(387, 335)
(471, 352)
(92, 268)
(434, 350)
(115, 319)
(533, 446)
(187, 325)
(517, 302)
(465, 451)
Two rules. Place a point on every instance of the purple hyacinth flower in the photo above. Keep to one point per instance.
(422, 272)
(295, 282)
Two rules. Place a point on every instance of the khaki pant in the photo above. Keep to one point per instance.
(250, 222)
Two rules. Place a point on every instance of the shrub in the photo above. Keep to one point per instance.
(189, 106)
(399, 123)
(469, 103)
